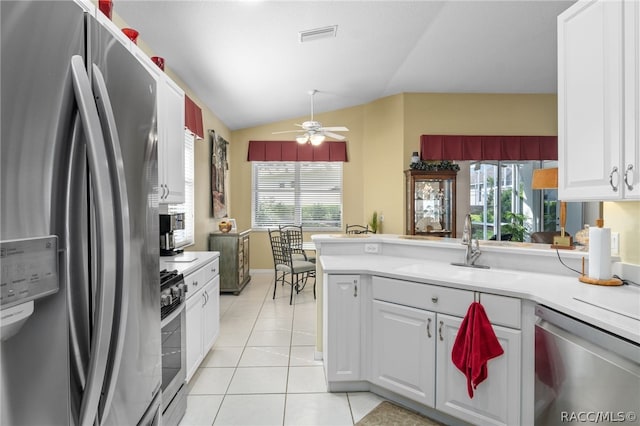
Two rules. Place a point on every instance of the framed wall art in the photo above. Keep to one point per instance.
(219, 175)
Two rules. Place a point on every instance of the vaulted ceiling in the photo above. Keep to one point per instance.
(246, 63)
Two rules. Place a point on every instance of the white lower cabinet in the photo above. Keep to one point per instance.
(211, 314)
(496, 401)
(404, 351)
(194, 333)
(202, 314)
(342, 325)
(407, 331)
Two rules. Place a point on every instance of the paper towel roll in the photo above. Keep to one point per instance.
(599, 253)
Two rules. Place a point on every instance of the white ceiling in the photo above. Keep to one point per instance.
(244, 61)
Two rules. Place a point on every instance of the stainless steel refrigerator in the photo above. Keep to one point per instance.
(78, 222)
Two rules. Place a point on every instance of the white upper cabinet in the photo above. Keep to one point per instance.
(170, 128)
(598, 101)
(171, 144)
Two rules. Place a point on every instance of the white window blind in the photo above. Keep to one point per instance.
(304, 193)
(185, 237)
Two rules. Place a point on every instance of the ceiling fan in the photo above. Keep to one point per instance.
(314, 133)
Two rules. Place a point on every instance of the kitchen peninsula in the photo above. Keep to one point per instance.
(392, 306)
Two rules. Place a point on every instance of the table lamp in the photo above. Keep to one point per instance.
(548, 179)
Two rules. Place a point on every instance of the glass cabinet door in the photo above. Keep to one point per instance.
(431, 203)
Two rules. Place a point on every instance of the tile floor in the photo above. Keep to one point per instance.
(261, 370)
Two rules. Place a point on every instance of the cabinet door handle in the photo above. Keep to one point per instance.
(355, 290)
(628, 181)
(614, 170)
(440, 330)
(429, 328)
(434, 299)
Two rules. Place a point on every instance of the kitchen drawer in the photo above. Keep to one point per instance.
(423, 296)
(195, 281)
(501, 310)
(210, 270)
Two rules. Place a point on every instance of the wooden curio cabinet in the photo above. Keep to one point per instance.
(431, 203)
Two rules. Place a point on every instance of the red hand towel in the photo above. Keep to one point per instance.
(476, 343)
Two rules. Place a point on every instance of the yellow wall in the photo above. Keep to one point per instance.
(624, 217)
(240, 170)
(383, 162)
(204, 223)
(382, 136)
(475, 114)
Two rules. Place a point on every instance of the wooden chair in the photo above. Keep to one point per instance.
(546, 237)
(293, 272)
(293, 235)
(357, 229)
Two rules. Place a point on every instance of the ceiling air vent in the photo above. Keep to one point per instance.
(317, 33)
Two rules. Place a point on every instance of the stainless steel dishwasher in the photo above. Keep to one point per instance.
(583, 374)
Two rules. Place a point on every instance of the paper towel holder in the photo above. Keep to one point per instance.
(610, 282)
(588, 280)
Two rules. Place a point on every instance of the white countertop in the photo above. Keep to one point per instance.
(188, 261)
(620, 313)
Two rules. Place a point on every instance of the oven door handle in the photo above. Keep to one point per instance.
(173, 315)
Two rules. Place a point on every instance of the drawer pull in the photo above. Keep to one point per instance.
(355, 290)
(440, 330)
(429, 328)
(434, 299)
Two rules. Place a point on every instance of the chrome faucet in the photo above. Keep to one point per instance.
(472, 252)
(472, 246)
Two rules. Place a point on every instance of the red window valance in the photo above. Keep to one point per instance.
(193, 117)
(514, 148)
(293, 151)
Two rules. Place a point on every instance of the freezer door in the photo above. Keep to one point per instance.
(136, 370)
(37, 114)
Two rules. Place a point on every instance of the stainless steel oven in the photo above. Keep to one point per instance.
(174, 368)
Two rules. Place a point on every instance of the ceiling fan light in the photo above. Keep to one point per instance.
(302, 139)
(316, 139)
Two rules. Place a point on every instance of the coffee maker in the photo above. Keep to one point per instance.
(168, 224)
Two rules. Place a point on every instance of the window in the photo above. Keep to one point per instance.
(185, 237)
(304, 193)
(501, 200)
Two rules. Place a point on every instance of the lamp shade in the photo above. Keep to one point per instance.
(545, 179)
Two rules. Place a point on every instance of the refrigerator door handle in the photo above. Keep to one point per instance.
(123, 235)
(106, 228)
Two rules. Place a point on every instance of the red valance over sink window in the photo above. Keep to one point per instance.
(477, 148)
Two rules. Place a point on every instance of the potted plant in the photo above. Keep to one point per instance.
(374, 223)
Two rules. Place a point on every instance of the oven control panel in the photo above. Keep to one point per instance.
(29, 269)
